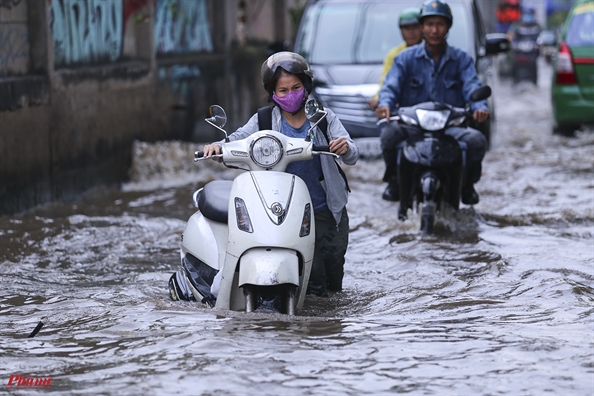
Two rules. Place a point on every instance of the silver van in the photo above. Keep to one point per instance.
(345, 42)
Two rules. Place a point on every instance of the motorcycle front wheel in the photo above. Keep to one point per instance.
(428, 218)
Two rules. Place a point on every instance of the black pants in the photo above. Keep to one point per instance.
(392, 134)
(327, 268)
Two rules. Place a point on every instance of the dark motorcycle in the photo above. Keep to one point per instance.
(431, 166)
(525, 52)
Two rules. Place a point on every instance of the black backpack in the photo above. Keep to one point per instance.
(265, 122)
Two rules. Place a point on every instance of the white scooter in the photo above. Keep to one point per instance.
(251, 242)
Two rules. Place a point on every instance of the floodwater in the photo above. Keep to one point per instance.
(499, 301)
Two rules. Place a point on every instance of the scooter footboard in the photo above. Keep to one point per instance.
(268, 266)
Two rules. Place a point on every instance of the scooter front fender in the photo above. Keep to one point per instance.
(269, 266)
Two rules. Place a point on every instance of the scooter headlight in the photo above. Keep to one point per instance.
(266, 151)
(432, 120)
(243, 218)
(526, 45)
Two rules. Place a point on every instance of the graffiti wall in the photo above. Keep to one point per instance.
(14, 39)
(182, 26)
(86, 31)
(85, 78)
(92, 31)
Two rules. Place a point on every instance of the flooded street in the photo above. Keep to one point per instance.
(499, 301)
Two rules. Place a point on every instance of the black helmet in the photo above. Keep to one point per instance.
(436, 8)
(290, 62)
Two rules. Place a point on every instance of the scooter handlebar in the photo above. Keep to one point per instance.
(325, 148)
(199, 155)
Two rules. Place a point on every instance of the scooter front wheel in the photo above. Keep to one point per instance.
(290, 299)
(251, 297)
(428, 218)
(282, 298)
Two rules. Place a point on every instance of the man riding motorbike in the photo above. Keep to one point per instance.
(432, 71)
(524, 38)
(527, 26)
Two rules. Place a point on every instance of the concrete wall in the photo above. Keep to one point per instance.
(80, 80)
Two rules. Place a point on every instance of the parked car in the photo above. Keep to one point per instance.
(345, 42)
(572, 89)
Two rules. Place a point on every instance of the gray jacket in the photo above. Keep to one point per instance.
(334, 184)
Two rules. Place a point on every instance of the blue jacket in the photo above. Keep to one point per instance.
(413, 79)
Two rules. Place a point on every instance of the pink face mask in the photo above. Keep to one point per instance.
(292, 101)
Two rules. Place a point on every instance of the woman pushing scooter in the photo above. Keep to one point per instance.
(288, 79)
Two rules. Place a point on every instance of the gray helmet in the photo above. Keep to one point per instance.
(288, 61)
(436, 8)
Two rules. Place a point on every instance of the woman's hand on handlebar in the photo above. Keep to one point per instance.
(211, 149)
(480, 115)
(339, 146)
(383, 112)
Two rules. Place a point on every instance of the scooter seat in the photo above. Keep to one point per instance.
(213, 200)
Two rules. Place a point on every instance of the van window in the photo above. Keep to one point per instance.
(363, 32)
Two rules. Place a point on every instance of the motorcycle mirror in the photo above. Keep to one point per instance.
(497, 43)
(218, 118)
(481, 93)
(314, 111)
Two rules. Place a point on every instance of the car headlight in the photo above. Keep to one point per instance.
(432, 120)
(266, 151)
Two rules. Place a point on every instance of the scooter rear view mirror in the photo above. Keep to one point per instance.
(218, 118)
(314, 111)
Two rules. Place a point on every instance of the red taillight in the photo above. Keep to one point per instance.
(565, 71)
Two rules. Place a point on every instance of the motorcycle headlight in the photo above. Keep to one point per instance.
(526, 45)
(266, 151)
(432, 120)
